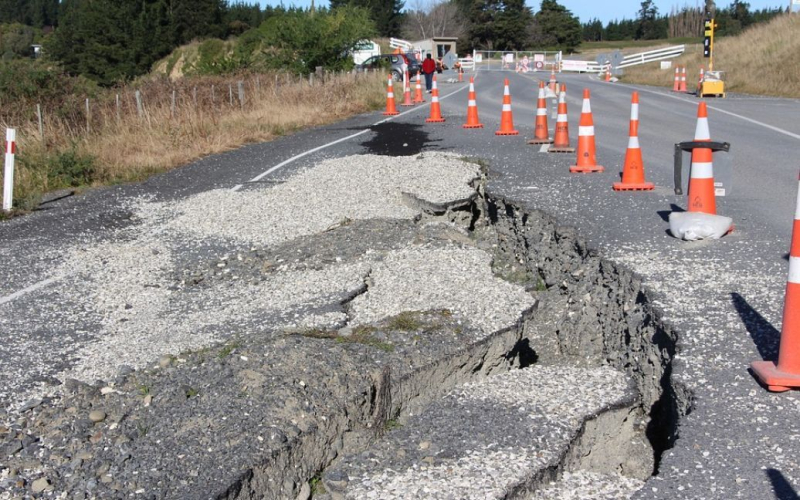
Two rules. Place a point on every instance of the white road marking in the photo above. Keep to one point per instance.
(694, 101)
(44, 283)
(333, 143)
(32, 288)
(544, 148)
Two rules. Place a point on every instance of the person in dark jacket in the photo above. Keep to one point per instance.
(428, 68)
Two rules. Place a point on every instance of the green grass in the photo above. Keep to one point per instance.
(227, 349)
(392, 424)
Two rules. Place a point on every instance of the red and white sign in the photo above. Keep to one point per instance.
(567, 65)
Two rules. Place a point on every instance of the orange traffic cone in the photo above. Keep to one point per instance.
(683, 80)
(608, 74)
(541, 134)
(418, 92)
(391, 109)
(460, 76)
(633, 169)
(587, 155)
(436, 110)
(506, 117)
(701, 178)
(561, 140)
(472, 108)
(553, 84)
(406, 91)
(676, 85)
(785, 374)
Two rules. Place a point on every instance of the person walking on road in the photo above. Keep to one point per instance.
(428, 68)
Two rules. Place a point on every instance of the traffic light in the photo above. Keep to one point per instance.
(709, 35)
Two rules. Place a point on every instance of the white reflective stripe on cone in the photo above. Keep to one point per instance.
(701, 133)
(541, 111)
(471, 103)
(435, 98)
(633, 142)
(634, 111)
(702, 170)
(505, 91)
(390, 94)
(794, 270)
(562, 118)
(587, 107)
(584, 131)
(506, 107)
(797, 213)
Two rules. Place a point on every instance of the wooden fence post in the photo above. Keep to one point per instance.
(41, 122)
(139, 106)
(241, 95)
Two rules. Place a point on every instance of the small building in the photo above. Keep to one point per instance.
(438, 46)
(37, 51)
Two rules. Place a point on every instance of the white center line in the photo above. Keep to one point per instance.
(333, 143)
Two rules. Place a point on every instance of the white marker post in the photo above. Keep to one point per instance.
(8, 187)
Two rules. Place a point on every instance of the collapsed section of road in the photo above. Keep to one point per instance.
(354, 295)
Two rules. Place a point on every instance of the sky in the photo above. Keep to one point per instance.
(605, 10)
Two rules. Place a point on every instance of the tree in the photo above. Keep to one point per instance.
(386, 14)
(649, 27)
(593, 31)
(301, 41)
(555, 24)
(433, 18)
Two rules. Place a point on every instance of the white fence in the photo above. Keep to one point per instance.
(626, 62)
(652, 56)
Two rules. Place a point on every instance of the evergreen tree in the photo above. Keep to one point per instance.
(386, 14)
(557, 21)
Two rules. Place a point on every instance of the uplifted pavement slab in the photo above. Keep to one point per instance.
(495, 438)
(234, 364)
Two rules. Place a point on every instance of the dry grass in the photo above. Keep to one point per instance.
(118, 145)
(764, 60)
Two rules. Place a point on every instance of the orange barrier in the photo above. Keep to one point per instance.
(587, 154)
(418, 98)
(472, 108)
(506, 117)
(436, 110)
(785, 374)
(561, 140)
(391, 109)
(701, 178)
(541, 133)
(633, 168)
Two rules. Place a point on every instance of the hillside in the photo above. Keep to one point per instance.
(762, 60)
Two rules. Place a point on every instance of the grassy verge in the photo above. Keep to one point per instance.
(115, 143)
(763, 61)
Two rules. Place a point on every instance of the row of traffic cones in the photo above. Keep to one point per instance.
(391, 106)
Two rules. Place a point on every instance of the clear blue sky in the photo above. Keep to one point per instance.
(587, 9)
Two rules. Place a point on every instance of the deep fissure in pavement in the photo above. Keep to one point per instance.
(590, 312)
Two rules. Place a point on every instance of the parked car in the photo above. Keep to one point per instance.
(393, 63)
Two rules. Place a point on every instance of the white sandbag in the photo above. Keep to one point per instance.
(691, 226)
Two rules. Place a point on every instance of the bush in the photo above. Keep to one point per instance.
(70, 169)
